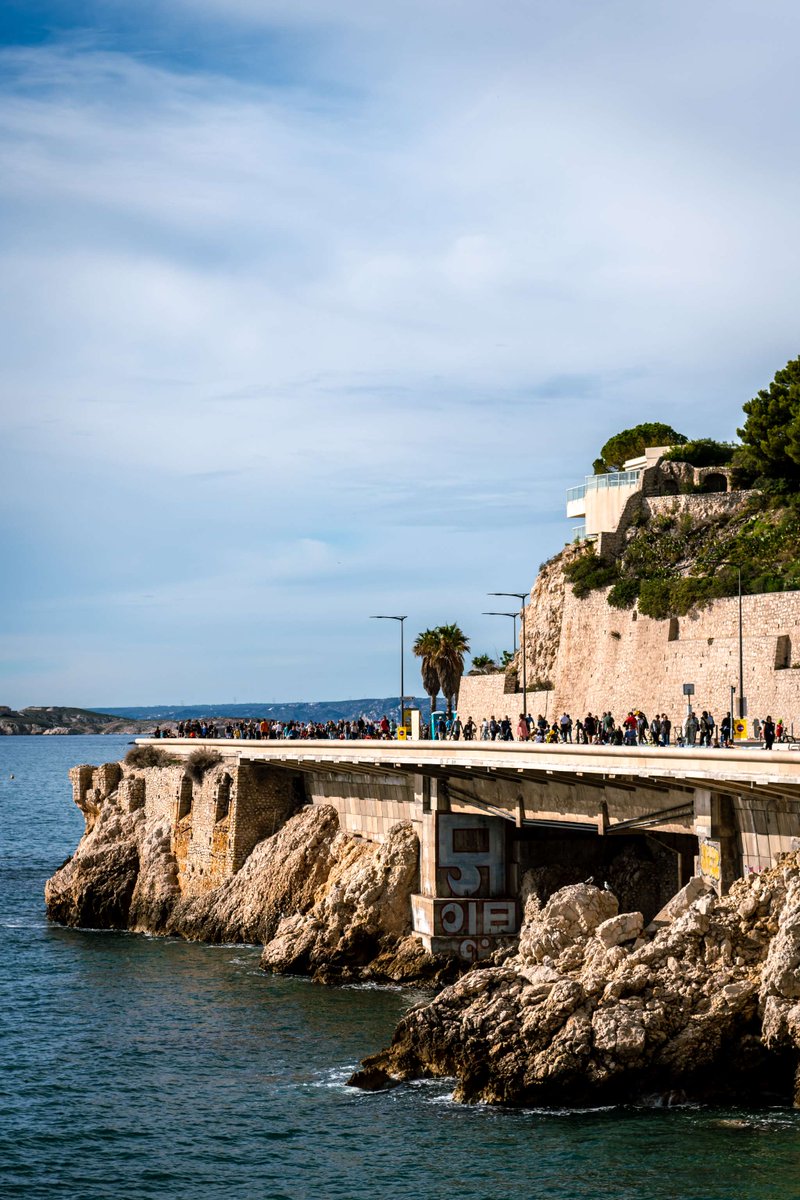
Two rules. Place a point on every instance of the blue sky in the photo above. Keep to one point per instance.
(312, 310)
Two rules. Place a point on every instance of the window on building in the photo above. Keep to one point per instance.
(674, 630)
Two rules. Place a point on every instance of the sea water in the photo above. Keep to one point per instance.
(150, 1067)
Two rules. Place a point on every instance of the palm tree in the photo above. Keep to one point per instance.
(453, 645)
(426, 647)
(482, 664)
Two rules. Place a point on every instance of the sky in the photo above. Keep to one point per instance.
(311, 310)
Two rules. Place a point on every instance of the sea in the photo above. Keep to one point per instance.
(144, 1067)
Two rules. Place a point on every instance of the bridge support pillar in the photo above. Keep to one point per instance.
(463, 906)
(719, 858)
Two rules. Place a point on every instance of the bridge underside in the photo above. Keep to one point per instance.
(494, 827)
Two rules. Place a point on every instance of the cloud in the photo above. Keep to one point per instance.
(351, 307)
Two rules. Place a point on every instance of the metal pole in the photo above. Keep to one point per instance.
(741, 654)
(524, 668)
(387, 617)
(514, 617)
(402, 679)
(521, 597)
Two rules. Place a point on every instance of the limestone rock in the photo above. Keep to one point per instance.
(589, 1021)
(570, 915)
(281, 876)
(321, 900)
(95, 887)
(360, 924)
(623, 928)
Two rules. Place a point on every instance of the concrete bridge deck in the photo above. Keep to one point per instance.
(775, 772)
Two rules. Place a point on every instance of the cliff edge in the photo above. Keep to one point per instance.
(321, 901)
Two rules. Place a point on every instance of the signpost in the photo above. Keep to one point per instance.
(688, 691)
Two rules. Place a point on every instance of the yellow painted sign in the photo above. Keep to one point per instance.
(401, 733)
(710, 860)
(740, 733)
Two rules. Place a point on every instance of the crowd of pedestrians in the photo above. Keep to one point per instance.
(592, 730)
(269, 730)
(605, 730)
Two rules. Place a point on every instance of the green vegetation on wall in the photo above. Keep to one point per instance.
(703, 452)
(678, 560)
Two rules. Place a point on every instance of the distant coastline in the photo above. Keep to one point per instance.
(292, 710)
(57, 721)
(63, 721)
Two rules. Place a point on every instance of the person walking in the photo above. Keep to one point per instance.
(725, 730)
(768, 729)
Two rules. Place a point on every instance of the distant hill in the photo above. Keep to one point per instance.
(55, 720)
(305, 710)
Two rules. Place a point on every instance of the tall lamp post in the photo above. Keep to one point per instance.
(521, 597)
(742, 699)
(504, 614)
(402, 677)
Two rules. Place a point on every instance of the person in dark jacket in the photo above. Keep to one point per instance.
(768, 729)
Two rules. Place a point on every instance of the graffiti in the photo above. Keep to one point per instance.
(471, 858)
(481, 918)
(710, 859)
(472, 949)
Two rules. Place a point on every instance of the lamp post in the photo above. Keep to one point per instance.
(506, 614)
(521, 597)
(402, 677)
(742, 701)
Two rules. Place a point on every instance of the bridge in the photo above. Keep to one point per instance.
(640, 818)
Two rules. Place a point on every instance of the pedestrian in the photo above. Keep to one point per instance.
(769, 733)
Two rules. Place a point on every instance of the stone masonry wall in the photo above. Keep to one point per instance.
(213, 824)
(367, 805)
(616, 659)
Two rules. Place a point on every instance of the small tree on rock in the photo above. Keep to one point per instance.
(631, 443)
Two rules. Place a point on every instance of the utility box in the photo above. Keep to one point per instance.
(411, 724)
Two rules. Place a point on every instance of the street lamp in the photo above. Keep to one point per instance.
(742, 699)
(402, 677)
(505, 614)
(521, 597)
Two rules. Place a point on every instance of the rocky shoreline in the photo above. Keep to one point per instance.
(321, 902)
(589, 1009)
(586, 1006)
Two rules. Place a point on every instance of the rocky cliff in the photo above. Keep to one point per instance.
(322, 902)
(591, 1009)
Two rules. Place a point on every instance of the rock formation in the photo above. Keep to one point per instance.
(322, 902)
(704, 1005)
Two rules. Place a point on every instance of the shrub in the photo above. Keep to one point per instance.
(201, 760)
(541, 685)
(703, 452)
(590, 571)
(654, 598)
(624, 593)
(147, 756)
